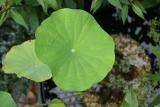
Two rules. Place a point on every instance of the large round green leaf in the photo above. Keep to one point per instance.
(22, 60)
(76, 49)
(6, 100)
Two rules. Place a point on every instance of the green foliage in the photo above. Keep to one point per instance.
(14, 2)
(31, 18)
(79, 48)
(153, 77)
(3, 17)
(155, 102)
(125, 104)
(149, 3)
(96, 5)
(73, 59)
(2, 2)
(53, 3)
(84, 54)
(56, 103)
(18, 18)
(125, 2)
(21, 59)
(14, 9)
(137, 10)
(155, 50)
(138, 6)
(155, 35)
(115, 3)
(6, 100)
(122, 6)
(154, 31)
(130, 99)
(70, 4)
(157, 105)
(42, 3)
(124, 12)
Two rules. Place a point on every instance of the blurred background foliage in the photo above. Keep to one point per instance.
(20, 18)
(29, 13)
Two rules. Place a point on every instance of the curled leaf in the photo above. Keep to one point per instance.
(22, 60)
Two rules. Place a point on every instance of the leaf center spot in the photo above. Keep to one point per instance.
(73, 50)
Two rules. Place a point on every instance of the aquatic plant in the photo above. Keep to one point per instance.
(78, 49)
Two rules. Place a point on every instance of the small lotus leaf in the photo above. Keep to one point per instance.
(22, 60)
(6, 100)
